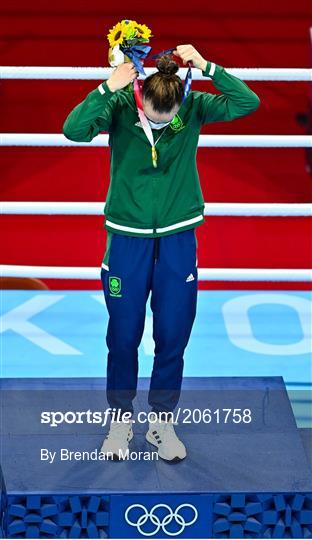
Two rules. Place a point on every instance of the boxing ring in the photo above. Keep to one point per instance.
(240, 479)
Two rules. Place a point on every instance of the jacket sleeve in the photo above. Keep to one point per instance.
(236, 100)
(92, 115)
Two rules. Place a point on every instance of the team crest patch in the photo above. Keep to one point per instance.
(114, 284)
(176, 124)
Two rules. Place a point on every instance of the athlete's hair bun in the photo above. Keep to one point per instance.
(167, 66)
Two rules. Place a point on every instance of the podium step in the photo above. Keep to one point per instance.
(248, 470)
(306, 437)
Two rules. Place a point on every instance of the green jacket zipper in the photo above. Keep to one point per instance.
(154, 207)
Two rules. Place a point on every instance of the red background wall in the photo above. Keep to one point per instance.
(73, 33)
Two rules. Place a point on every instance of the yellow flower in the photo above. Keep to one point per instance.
(142, 31)
(116, 35)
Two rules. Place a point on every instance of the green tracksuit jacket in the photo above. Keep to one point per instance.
(143, 200)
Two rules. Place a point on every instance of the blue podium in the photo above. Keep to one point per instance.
(241, 478)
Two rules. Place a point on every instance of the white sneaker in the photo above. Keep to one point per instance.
(162, 435)
(116, 443)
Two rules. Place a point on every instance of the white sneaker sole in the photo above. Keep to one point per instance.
(151, 439)
(116, 457)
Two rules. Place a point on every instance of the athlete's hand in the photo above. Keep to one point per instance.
(188, 53)
(122, 75)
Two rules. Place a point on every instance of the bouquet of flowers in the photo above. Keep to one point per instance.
(126, 40)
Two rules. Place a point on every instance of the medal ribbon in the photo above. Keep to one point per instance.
(145, 123)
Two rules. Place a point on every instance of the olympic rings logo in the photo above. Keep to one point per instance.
(155, 520)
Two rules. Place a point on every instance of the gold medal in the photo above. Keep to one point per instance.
(154, 156)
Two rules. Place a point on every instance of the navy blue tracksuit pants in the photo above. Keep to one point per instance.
(166, 266)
